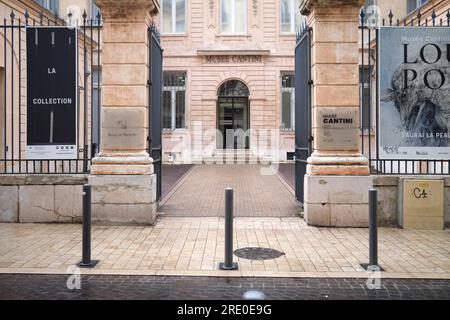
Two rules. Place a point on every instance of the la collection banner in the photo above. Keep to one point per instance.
(414, 115)
(51, 93)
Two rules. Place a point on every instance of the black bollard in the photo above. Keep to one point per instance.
(228, 264)
(373, 228)
(86, 245)
(373, 233)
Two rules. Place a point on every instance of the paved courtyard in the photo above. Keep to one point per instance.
(258, 190)
(195, 246)
(37, 287)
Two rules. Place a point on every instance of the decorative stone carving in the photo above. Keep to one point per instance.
(306, 6)
(126, 10)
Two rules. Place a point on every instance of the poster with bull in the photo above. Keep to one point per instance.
(414, 75)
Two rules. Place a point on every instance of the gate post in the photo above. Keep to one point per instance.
(338, 175)
(122, 175)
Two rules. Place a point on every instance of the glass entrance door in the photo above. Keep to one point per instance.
(233, 123)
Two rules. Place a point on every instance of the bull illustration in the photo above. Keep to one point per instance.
(423, 103)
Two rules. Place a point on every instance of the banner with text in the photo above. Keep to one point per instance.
(51, 93)
(414, 114)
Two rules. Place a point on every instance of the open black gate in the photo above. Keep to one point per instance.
(155, 97)
(303, 137)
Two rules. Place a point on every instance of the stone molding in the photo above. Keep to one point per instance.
(306, 6)
(127, 10)
(43, 179)
(249, 52)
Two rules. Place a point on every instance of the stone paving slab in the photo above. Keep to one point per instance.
(37, 287)
(195, 247)
(258, 190)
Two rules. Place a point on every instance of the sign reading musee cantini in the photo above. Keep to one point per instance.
(51, 93)
(338, 128)
(414, 115)
(233, 59)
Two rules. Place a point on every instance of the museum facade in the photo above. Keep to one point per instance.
(228, 78)
(225, 87)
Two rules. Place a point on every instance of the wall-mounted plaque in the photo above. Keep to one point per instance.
(423, 204)
(338, 128)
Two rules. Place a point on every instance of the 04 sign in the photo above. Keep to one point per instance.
(51, 93)
(423, 204)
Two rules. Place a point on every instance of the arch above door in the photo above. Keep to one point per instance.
(233, 88)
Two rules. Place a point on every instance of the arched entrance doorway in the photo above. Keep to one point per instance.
(233, 117)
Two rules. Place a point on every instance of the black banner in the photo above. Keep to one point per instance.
(51, 92)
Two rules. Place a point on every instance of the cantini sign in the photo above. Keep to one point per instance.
(414, 93)
(233, 59)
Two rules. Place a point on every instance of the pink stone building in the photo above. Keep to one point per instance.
(228, 65)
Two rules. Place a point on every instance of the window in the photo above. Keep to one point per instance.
(233, 16)
(95, 11)
(364, 94)
(51, 5)
(287, 102)
(290, 15)
(414, 4)
(173, 17)
(174, 100)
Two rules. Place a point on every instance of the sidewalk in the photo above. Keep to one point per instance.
(195, 246)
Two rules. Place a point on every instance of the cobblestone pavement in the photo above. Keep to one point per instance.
(259, 191)
(195, 246)
(171, 174)
(209, 288)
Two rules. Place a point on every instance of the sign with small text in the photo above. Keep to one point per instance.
(232, 59)
(414, 108)
(51, 93)
(423, 204)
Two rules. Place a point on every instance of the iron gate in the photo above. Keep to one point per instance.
(13, 100)
(155, 97)
(303, 137)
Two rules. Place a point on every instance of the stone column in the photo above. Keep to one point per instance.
(122, 178)
(338, 176)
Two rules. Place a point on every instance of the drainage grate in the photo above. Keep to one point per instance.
(258, 253)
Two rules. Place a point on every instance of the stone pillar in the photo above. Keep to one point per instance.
(122, 178)
(338, 176)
